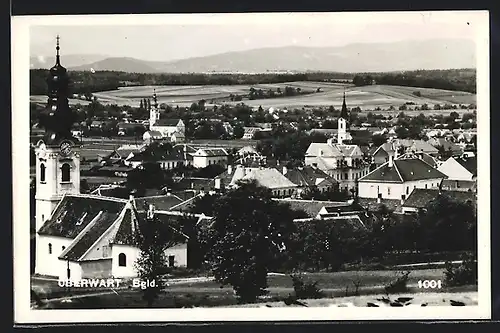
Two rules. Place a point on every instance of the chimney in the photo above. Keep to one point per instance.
(391, 161)
(217, 183)
(131, 197)
(229, 169)
(285, 170)
(169, 192)
(379, 198)
(151, 211)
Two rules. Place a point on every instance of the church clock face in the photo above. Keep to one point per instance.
(65, 148)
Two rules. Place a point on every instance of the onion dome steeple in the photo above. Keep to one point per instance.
(58, 118)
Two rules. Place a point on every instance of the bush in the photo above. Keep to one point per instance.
(399, 285)
(305, 290)
(463, 274)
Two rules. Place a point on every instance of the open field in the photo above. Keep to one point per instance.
(331, 94)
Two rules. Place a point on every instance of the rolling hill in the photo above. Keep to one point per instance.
(376, 57)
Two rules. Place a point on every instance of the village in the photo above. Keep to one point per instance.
(359, 175)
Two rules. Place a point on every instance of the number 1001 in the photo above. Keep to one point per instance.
(429, 284)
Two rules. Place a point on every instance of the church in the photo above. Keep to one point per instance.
(78, 235)
(170, 129)
(341, 160)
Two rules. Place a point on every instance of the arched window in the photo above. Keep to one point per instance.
(63, 247)
(65, 170)
(50, 248)
(42, 173)
(122, 260)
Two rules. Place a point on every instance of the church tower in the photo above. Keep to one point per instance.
(57, 154)
(154, 112)
(343, 124)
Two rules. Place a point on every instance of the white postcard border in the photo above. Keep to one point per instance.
(20, 135)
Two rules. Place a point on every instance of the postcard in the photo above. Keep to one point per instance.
(251, 167)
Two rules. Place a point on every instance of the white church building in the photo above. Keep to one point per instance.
(83, 236)
(171, 129)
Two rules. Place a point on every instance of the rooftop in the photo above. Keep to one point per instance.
(403, 170)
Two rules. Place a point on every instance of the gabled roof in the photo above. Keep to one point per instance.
(270, 178)
(424, 156)
(313, 207)
(308, 176)
(419, 198)
(160, 202)
(211, 152)
(166, 122)
(76, 211)
(326, 149)
(153, 134)
(403, 170)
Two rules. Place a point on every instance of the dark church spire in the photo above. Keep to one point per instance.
(344, 113)
(58, 118)
(155, 100)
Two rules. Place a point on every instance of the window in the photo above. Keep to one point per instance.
(43, 218)
(346, 176)
(50, 248)
(63, 247)
(407, 190)
(42, 173)
(426, 186)
(388, 191)
(65, 170)
(122, 260)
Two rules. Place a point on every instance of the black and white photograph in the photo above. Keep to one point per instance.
(258, 166)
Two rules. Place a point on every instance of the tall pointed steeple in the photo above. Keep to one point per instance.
(344, 113)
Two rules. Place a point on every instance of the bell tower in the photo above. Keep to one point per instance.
(57, 154)
(154, 112)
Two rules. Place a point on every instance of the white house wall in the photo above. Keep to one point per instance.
(394, 190)
(131, 255)
(74, 268)
(96, 268)
(46, 263)
(204, 161)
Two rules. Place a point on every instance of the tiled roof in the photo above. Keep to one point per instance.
(323, 149)
(312, 207)
(247, 150)
(211, 152)
(160, 202)
(306, 176)
(78, 248)
(372, 204)
(154, 134)
(124, 235)
(166, 122)
(424, 156)
(469, 163)
(403, 170)
(75, 212)
(193, 183)
(419, 198)
(270, 178)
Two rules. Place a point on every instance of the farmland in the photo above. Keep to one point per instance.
(366, 97)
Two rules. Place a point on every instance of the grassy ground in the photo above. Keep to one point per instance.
(210, 293)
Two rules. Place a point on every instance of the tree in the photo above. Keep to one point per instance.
(245, 241)
(153, 238)
(238, 131)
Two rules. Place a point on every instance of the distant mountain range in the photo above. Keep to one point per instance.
(375, 57)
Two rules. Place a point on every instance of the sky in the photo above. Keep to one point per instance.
(169, 37)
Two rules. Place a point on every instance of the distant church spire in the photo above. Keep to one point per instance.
(58, 59)
(344, 113)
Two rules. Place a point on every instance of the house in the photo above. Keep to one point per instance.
(89, 236)
(124, 152)
(382, 153)
(166, 158)
(460, 168)
(431, 160)
(309, 177)
(249, 132)
(318, 209)
(446, 146)
(177, 137)
(459, 185)
(151, 136)
(420, 198)
(343, 162)
(397, 178)
(204, 157)
(266, 177)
